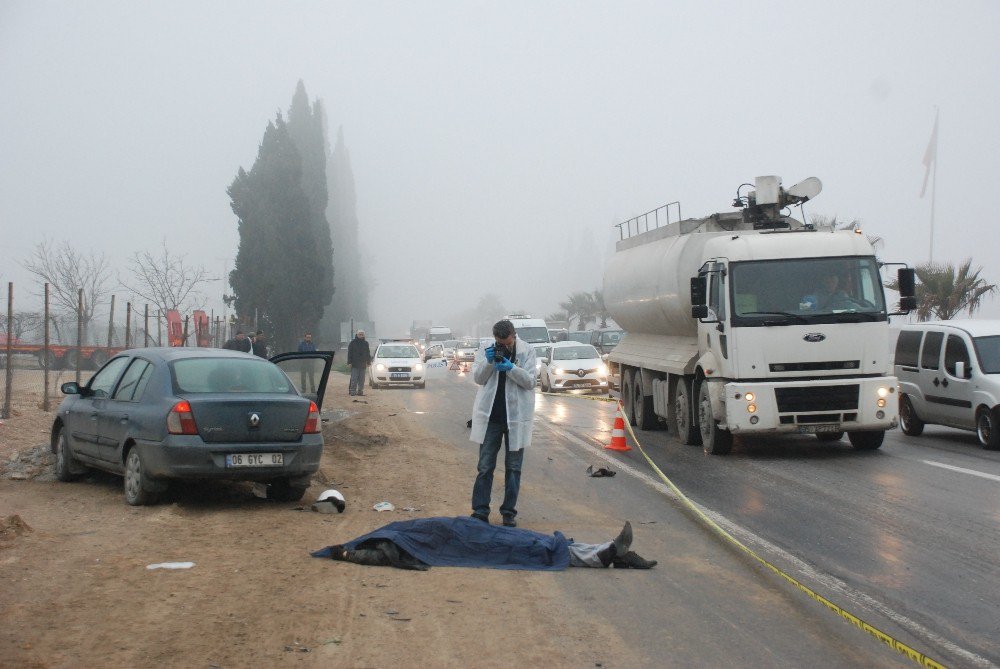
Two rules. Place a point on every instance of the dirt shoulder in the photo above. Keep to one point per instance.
(77, 590)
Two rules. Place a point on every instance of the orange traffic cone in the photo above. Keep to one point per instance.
(618, 433)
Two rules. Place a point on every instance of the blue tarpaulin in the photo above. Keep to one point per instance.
(467, 542)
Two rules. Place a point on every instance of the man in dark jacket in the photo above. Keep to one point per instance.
(260, 344)
(239, 343)
(306, 373)
(359, 356)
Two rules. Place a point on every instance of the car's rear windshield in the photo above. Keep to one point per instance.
(228, 375)
(472, 343)
(574, 353)
(988, 351)
(397, 352)
(533, 335)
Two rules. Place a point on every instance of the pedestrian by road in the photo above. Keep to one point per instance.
(359, 356)
(503, 411)
(260, 344)
(307, 374)
(239, 343)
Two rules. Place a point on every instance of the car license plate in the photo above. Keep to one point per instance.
(396, 376)
(810, 429)
(255, 459)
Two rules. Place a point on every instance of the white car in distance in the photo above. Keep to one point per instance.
(574, 366)
(397, 364)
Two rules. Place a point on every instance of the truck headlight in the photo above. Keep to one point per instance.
(882, 392)
(749, 397)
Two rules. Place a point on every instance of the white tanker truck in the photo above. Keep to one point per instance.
(753, 323)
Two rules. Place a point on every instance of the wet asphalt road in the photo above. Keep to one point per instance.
(905, 537)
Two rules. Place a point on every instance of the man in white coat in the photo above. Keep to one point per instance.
(504, 410)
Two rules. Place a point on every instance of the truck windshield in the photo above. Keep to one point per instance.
(533, 335)
(806, 290)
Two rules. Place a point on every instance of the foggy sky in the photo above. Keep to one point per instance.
(494, 145)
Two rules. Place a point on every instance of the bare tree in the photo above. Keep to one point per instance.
(165, 281)
(23, 323)
(67, 271)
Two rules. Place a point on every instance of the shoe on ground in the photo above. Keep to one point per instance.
(508, 521)
(624, 539)
(631, 560)
(477, 516)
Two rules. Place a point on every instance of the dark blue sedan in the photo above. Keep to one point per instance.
(156, 414)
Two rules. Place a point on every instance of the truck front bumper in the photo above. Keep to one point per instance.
(826, 405)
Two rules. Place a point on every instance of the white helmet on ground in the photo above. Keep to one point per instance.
(329, 500)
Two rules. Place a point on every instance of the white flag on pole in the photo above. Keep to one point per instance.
(930, 155)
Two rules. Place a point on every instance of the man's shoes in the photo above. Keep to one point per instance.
(360, 393)
(478, 516)
(632, 560)
(508, 521)
(624, 539)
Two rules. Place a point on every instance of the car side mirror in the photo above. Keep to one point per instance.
(70, 388)
(960, 370)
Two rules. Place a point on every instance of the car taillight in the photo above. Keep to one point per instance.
(180, 420)
(312, 422)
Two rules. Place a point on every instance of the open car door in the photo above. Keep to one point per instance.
(308, 371)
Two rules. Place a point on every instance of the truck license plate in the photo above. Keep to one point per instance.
(255, 459)
(809, 429)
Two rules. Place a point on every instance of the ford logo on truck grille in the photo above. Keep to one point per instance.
(814, 337)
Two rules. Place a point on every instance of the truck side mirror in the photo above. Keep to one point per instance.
(906, 280)
(907, 303)
(699, 311)
(697, 291)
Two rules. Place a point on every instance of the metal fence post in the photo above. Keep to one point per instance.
(79, 331)
(145, 326)
(128, 325)
(45, 353)
(9, 362)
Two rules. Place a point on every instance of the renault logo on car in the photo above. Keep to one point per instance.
(814, 337)
(254, 419)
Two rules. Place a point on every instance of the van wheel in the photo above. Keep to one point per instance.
(909, 422)
(987, 421)
(687, 430)
(866, 441)
(628, 380)
(714, 440)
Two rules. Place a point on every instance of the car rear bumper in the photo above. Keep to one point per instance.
(188, 457)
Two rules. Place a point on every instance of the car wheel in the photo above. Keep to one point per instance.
(714, 440)
(281, 490)
(67, 467)
(866, 441)
(987, 428)
(687, 430)
(829, 436)
(138, 485)
(642, 405)
(909, 422)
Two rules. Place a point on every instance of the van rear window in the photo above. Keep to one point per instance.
(908, 348)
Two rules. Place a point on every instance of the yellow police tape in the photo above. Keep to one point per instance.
(895, 644)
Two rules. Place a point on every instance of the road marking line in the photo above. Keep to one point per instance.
(963, 470)
(835, 584)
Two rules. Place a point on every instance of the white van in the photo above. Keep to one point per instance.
(949, 374)
(531, 330)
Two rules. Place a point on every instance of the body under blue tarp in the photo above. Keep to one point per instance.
(467, 542)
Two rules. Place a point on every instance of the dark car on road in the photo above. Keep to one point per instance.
(157, 414)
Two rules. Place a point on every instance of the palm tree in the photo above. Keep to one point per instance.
(580, 306)
(944, 292)
(599, 308)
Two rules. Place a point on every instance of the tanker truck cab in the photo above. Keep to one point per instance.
(787, 330)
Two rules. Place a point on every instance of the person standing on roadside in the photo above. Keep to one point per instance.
(307, 373)
(503, 411)
(359, 356)
(260, 344)
(239, 343)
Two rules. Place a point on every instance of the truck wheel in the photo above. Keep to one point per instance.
(98, 358)
(628, 380)
(987, 428)
(69, 360)
(687, 430)
(714, 440)
(642, 405)
(866, 441)
(48, 360)
(909, 422)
